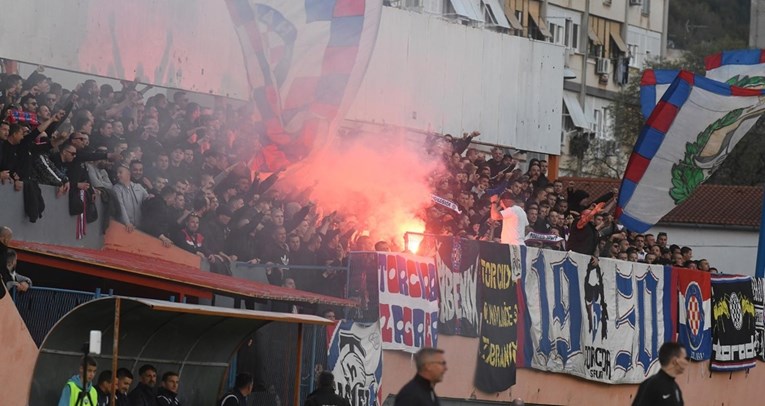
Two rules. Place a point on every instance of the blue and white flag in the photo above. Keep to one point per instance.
(600, 321)
(355, 359)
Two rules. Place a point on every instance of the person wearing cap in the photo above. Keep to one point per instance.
(514, 220)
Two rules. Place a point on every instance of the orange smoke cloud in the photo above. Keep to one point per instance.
(380, 179)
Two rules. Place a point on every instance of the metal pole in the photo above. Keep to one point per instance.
(115, 349)
(298, 372)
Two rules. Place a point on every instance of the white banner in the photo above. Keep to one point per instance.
(355, 359)
(408, 287)
(603, 322)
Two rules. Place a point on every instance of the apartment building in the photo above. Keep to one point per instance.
(604, 43)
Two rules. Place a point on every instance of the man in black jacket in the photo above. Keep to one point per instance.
(661, 389)
(431, 367)
(145, 393)
(237, 396)
(325, 395)
(167, 395)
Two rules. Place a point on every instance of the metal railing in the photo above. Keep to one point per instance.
(41, 307)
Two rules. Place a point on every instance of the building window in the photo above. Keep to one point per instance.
(633, 55)
(597, 126)
(571, 34)
(646, 7)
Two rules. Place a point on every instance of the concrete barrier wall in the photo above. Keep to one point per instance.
(700, 388)
(18, 352)
(56, 226)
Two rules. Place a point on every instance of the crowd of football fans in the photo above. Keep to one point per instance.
(183, 173)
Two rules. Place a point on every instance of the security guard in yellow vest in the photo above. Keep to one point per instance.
(70, 395)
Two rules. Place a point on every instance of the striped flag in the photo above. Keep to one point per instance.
(305, 61)
(691, 131)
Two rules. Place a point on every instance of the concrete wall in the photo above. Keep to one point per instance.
(699, 388)
(18, 352)
(435, 75)
(56, 226)
(730, 251)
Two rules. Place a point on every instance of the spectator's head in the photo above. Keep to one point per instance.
(123, 175)
(192, 222)
(176, 155)
(43, 113)
(687, 253)
(136, 170)
(188, 156)
(639, 241)
(624, 245)
(431, 364)
(483, 183)
(293, 241)
(118, 128)
(170, 381)
(11, 258)
(68, 152)
(168, 194)
(289, 283)
(280, 234)
(672, 358)
(180, 201)
(16, 133)
(243, 383)
(690, 265)
(224, 214)
(162, 162)
(543, 166)
(677, 259)
(650, 240)
(656, 251)
(277, 217)
(4, 130)
(703, 265)
(6, 235)
(507, 199)
(29, 103)
(160, 182)
(329, 314)
(516, 187)
(148, 375)
(622, 255)
(182, 186)
(382, 246)
(497, 154)
(104, 381)
(599, 219)
(532, 214)
(106, 129)
(79, 140)
(83, 124)
(650, 258)
(534, 172)
(661, 239)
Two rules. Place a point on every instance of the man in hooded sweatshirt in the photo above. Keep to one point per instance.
(325, 395)
(73, 390)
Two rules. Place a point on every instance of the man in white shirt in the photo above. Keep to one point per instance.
(513, 218)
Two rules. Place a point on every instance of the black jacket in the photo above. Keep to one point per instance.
(232, 398)
(143, 395)
(167, 398)
(418, 392)
(325, 397)
(659, 390)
